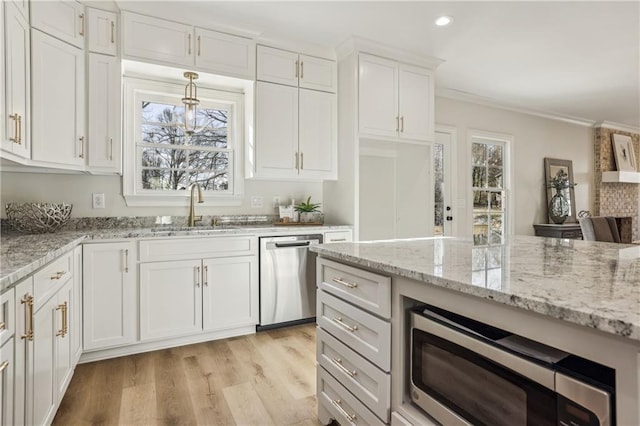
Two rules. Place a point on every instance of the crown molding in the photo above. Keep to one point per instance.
(476, 99)
(617, 126)
(361, 44)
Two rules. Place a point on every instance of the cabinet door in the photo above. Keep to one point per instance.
(277, 66)
(102, 31)
(58, 101)
(378, 96)
(17, 95)
(104, 118)
(276, 153)
(22, 6)
(157, 40)
(64, 20)
(170, 299)
(225, 54)
(416, 103)
(109, 295)
(7, 371)
(318, 74)
(230, 292)
(23, 346)
(75, 310)
(63, 356)
(318, 134)
(42, 372)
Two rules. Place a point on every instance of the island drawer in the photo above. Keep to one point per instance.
(344, 407)
(369, 291)
(361, 331)
(50, 278)
(367, 382)
(196, 248)
(7, 316)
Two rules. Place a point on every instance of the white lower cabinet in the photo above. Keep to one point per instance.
(109, 294)
(7, 374)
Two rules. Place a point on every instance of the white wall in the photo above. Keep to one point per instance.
(77, 189)
(534, 139)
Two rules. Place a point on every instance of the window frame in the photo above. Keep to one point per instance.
(137, 89)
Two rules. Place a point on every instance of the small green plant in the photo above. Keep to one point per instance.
(560, 181)
(307, 206)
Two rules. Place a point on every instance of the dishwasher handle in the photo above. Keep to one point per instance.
(294, 244)
(291, 244)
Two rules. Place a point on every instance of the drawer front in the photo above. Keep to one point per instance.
(338, 236)
(7, 316)
(196, 248)
(368, 383)
(51, 278)
(361, 331)
(366, 290)
(344, 407)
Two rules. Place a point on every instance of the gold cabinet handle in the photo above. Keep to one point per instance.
(341, 281)
(19, 130)
(297, 69)
(189, 42)
(338, 363)
(81, 138)
(113, 32)
(336, 403)
(297, 161)
(126, 260)
(17, 133)
(82, 24)
(199, 45)
(28, 316)
(206, 276)
(3, 325)
(397, 124)
(4, 366)
(198, 276)
(63, 331)
(338, 320)
(301, 69)
(302, 161)
(110, 149)
(58, 275)
(402, 124)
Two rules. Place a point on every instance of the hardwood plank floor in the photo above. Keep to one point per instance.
(262, 379)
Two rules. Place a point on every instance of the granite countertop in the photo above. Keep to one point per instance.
(21, 255)
(589, 283)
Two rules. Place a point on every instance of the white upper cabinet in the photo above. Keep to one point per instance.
(22, 6)
(58, 101)
(103, 31)
(163, 41)
(395, 100)
(317, 134)
(293, 69)
(16, 83)
(64, 20)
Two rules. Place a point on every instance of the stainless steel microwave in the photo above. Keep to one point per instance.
(464, 372)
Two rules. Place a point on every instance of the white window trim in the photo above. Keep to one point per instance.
(508, 177)
(133, 86)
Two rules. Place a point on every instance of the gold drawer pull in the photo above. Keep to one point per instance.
(3, 366)
(65, 329)
(2, 326)
(338, 320)
(338, 363)
(336, 403)
(344, 283)
(336, 240)
(113, 28)
(206, 276)
(58, 275)
(28, 317)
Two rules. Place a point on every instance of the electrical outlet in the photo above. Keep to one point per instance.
(256, 201)
(276, 202)
(98, 201)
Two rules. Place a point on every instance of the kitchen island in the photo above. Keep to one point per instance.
(581, 297)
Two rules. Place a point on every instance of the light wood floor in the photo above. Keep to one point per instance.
(263, 379)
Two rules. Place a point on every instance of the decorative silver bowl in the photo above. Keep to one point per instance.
(38, 218)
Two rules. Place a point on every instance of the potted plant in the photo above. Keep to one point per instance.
(308, 211)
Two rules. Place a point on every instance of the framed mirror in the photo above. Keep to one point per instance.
(555, 170)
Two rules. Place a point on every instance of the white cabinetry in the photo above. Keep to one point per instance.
(22, 6)
(163, 41)
(23, 346)
(395, 100)
(58, 102)
(104, 114)
(342, 236)
(64, 20)
(7, 361)
(16, 83)
(109, 299)
(103, 30)
(293, 69)
(75, 311)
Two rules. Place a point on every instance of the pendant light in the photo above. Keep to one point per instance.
(190, 102)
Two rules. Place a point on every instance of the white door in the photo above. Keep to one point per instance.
(17, 95)
(109, 295)
(7, 372)
(103, 142)
(318, 135)
(230, 292)
(318, 74)
(58, 104)
(102, 30)
(43, 367)
(378, 96)
(225, 54)
(276, 153)
(170, 299)
(64, 20)
(444, 202)
(415, 100)
(63, 339)
(277, 66)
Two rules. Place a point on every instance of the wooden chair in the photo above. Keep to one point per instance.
(599, 228)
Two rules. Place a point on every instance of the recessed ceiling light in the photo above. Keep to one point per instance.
(443, 21)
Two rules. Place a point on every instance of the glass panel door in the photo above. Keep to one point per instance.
(489, 195)
(443, 215)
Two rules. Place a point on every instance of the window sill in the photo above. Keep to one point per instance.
(210, 200)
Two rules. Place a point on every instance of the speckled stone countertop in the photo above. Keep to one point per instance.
(21, 255)
(593, 284)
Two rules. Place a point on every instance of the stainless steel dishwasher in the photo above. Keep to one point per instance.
(287, 280)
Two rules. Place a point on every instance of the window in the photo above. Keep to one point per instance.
(162, 162)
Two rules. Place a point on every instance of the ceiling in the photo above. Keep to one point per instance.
(572, 59)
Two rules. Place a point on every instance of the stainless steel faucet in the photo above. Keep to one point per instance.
(192, 217)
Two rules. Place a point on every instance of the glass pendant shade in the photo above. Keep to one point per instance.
(190, 102)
